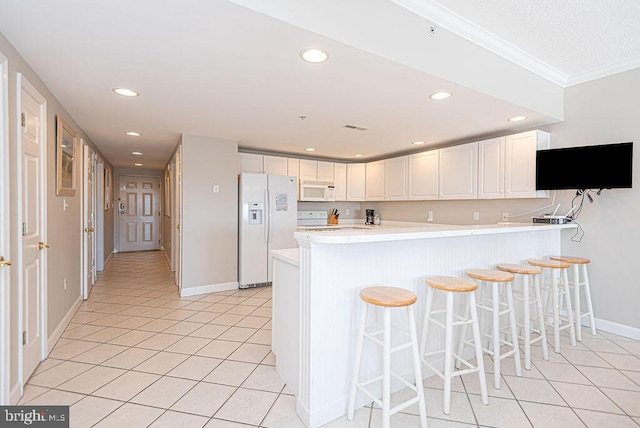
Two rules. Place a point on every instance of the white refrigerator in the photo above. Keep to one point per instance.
(268, 219)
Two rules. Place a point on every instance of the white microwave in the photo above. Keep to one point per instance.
(317, 191)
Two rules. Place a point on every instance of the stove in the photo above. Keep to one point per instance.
(312, 218)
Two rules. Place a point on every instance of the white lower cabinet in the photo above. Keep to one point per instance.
(423, 175)
(458, 172)
(356, 182)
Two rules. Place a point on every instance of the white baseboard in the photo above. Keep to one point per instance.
(616, 328)
(108, 259)
(53, 338)
(210, 288)
(15, 395)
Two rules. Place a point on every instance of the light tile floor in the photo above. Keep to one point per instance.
(137, 355)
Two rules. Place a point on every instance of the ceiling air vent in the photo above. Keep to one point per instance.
(357, 128)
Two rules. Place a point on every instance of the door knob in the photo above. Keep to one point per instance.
(88, 229)
(4, 262)
(177, 226)
(42, 245)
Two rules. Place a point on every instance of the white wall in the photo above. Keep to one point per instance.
(209, 224)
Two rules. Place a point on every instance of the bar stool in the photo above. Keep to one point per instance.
(579, 266)
(388, 298)
(527, 271)
(497, 277)
(453, 285)
(557, 291)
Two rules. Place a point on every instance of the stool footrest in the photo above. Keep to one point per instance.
(362, 387)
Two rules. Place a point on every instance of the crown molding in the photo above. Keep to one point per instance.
(480, 36)
(604, 71)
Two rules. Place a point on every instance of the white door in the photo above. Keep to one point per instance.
(177, 215)
(88, 220)
(31, 143)
(5, 262)
(98, 234)
(138, 213)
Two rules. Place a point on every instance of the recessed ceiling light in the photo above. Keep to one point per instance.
(517, 118)
(136, 153)
(133, 133)
(314, 55)
(125, 92)
(358, 155)
(418, 143)
(310, 149)
(440, 95)
(137, 164)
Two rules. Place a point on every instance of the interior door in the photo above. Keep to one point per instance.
(88, 221)
(138, 213)
(177, 215)
(33, 253)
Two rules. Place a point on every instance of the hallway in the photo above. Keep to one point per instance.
(137, 355)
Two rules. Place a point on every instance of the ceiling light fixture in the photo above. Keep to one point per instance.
(125, 92)
(310, 149)
(358, 155)
(137, 164)
(517, 118)
(133, 133)
(418, 143)
(440, 95)
(314, 55)
(136, 153)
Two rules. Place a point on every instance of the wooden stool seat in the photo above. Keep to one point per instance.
(551, 264)
(519, 268)
(451, 283)
(571, 259)
(389, 297)
(490, 275)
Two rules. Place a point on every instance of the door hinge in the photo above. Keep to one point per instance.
(23, 119)
(24, 337)
(24, 229)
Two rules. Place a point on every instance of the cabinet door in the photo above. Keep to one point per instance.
(356, 182)
(275, 165)
(293, 170)
(459, 172)
(520, 163)
(325, 171)
(491, 168)
(249, 162)
(340, 181)
(395, 178)
(308, 170)
(423, 175)
(374, 187)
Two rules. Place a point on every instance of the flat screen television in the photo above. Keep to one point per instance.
(606, 166)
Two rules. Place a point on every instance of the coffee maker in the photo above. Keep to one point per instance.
(370, 217)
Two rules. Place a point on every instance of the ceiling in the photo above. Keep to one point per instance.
(222, 69)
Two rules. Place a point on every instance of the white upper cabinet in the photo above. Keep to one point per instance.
(459, 172)
(311, 170)
(491, 159)
(375, 182)
(356, 182)
(395, 171)
(520, 163)
(275, 165)
(507, 165)
(423, 175)
(325, 171)
(249, 162)
(340, 181)
(293, 170)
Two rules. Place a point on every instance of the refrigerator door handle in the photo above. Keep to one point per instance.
(266, 216)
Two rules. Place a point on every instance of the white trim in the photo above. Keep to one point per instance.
(5, 230)
(22, 82)
(106, 262)
(57, 333)
(600, 72)
(614, 328)
(210, 288)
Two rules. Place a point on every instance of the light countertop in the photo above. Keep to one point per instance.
(290, 255)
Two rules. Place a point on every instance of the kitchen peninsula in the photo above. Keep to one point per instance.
(316, 306)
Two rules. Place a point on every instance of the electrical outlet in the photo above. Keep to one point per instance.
(476, 215)
(216, 188)
(347, 211)
(65, 284)
(505, 216)
(430, 216)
